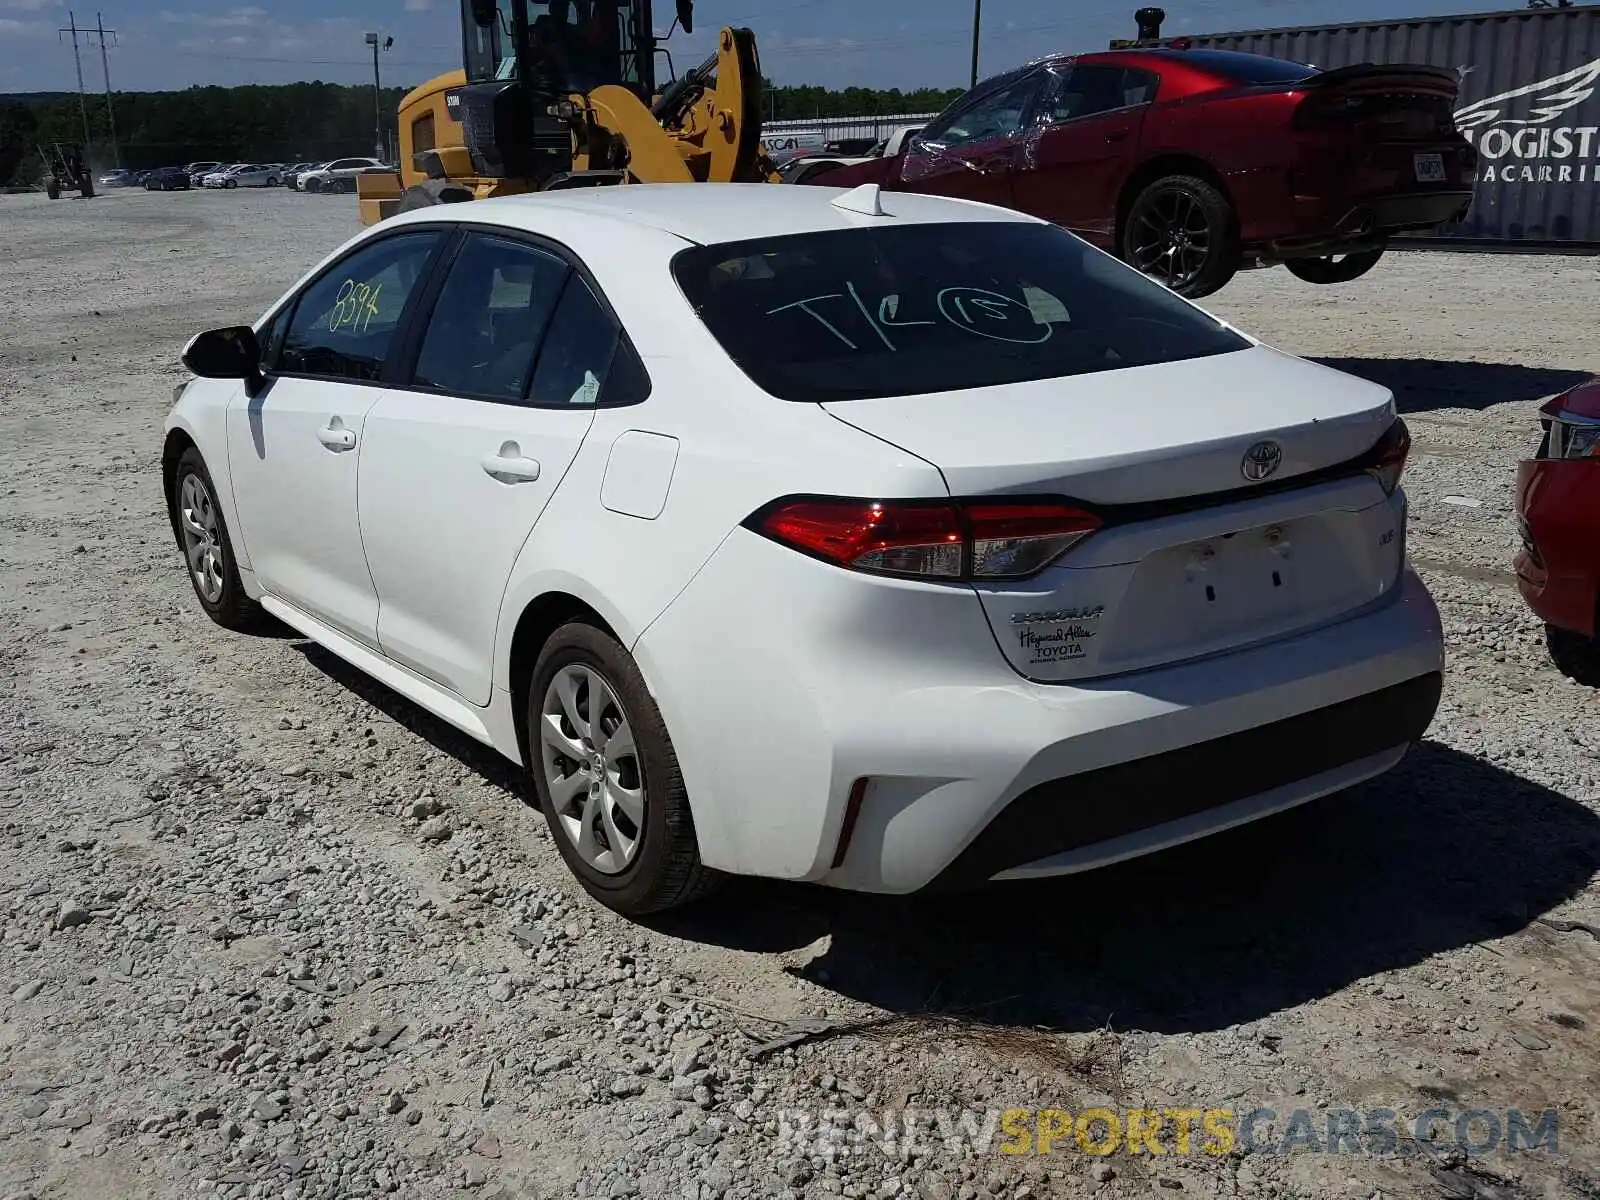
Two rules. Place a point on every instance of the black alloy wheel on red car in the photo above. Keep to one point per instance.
(1181, 231)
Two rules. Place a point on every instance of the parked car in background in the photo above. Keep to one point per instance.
(1190, 164)
(167, 179)
(336, 176)
(808, 168)
(1013, 563)
(197, 171)
(117, 179)
(1558, 516)
(218, 178)
(291, 178)
(254, 175)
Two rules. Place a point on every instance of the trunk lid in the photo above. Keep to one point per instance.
(1148, 433)
(1191, 561)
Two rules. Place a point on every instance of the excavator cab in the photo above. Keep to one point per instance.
(563, 93)
(530, 63)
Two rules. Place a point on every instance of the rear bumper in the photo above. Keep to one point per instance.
(819, 678)
(1136, 807)
(1558, 515)
(1320, 226)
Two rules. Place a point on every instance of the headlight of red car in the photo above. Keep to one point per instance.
(1572, 423)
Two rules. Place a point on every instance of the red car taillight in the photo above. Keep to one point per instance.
(1572, 423)
(1386, 461)
(932, 540)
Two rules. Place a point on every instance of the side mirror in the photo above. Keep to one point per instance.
(231, 353)
(483, 13)
(686, 15)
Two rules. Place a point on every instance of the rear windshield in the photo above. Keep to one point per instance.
(1248, 69)
(912, 309)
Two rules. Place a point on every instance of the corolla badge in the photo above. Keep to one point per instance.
(1261, 460)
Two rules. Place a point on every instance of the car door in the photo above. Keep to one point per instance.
(293, 447)
(457, 467)
(1084, 147)
(971, 152)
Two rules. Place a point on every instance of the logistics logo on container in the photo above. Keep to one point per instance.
(1158, 1132)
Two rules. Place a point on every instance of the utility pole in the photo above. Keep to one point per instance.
(111, 119)
(977, 26)
(378, 42)
(83, 104)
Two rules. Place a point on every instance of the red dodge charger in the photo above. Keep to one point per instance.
(1192, 163)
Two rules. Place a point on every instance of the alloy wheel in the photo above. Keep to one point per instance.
(592, 769)
(202, 537)
(1172, 237)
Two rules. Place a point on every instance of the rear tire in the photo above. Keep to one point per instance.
(1334, 268)
(433, 191)
(1575, 656)
(203, 538)
(53, 190)
(657, 868)
(1181, 231)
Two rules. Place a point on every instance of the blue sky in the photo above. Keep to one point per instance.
(879, 43)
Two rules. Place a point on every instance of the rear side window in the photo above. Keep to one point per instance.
(585, 358)
(344, 323)
(485, 328)
(908, 310)
(1247, 69)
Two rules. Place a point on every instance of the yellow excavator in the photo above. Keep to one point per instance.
(561, 94)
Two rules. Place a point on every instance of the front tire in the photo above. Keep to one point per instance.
(207, 549)
(230, 183)
(1334, 268)
(1181, 231)
(312, 185)
(607, 777)
(1575, 656)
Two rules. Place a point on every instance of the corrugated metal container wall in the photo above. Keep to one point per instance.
(1530, 103)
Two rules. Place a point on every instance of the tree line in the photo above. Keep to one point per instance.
(301, 121)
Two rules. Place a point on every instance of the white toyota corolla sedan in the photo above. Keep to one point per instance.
(883, 541)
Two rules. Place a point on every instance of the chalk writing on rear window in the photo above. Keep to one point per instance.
(978, 311)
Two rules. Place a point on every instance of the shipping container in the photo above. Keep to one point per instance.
(1529, 102)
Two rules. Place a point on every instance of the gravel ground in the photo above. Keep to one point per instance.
(267, 930)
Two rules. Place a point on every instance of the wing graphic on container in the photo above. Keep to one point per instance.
(1550, 98)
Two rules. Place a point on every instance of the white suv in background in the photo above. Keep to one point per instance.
(337, 176)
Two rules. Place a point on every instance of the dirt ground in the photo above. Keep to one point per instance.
(268, 930)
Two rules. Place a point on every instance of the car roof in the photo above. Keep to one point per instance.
(706, 213)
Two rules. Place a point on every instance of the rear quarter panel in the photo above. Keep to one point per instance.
(1244, 138)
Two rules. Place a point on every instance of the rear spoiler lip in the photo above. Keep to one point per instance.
(1421, 77)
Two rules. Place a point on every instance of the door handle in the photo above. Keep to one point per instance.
(510, 465)
(336, 437)
(1117, 135)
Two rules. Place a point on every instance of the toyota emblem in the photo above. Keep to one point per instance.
(1261, 460)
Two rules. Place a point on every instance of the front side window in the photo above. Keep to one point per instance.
(909, 310)
(344, 323)
(489, 320)
(999, 114)
(1091, 88)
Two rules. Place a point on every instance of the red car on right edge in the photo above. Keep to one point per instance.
(1558, 516)
(1190, 164)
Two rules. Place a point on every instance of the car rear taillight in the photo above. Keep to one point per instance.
(934, 540)
(1386, 461)
(1572, 424)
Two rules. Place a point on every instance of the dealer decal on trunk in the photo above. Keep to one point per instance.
(1073, 628)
